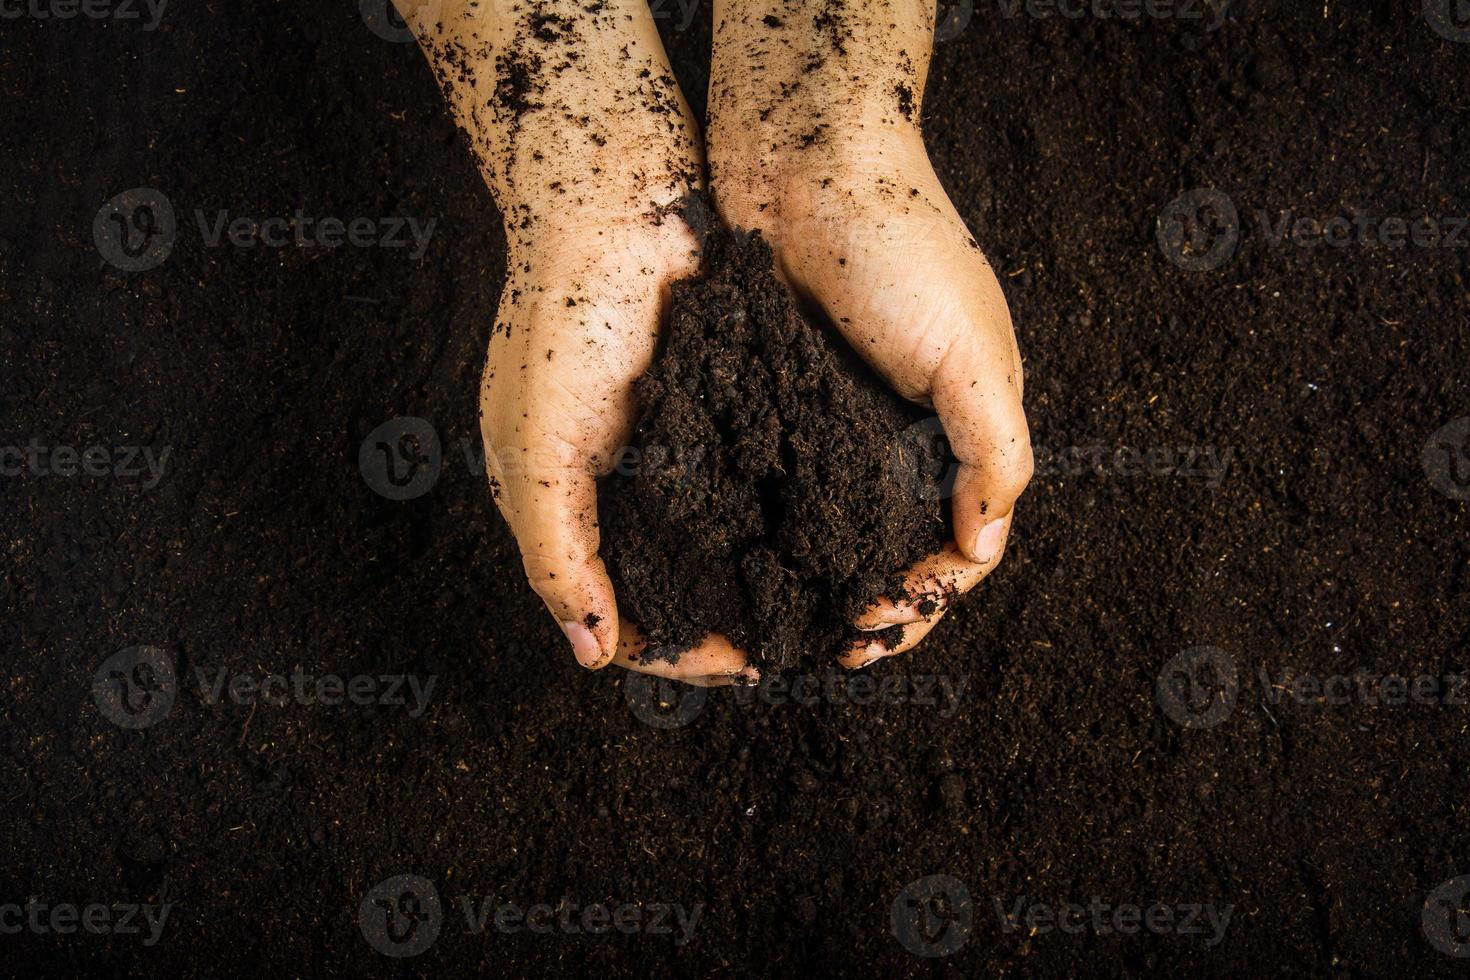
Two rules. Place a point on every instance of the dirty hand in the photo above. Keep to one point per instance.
(814, 139)
(587, 145)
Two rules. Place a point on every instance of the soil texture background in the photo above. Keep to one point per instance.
(1230, 458)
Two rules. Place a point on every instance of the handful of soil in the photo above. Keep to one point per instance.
(776, 486)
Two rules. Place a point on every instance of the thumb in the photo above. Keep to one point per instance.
(552, 511)
(977, 394)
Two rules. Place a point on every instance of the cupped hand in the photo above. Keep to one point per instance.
(579, 321)
(588, 146)
(864, 230)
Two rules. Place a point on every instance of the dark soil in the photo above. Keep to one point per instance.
(797, 823)
(776, 487)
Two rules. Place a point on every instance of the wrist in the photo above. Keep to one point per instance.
(758, 181)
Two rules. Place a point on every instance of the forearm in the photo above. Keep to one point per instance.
(574, 116)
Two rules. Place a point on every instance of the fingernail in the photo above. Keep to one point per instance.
(988, 542)
(584, 644)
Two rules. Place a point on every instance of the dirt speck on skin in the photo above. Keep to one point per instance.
(905, 100)
(778, 486)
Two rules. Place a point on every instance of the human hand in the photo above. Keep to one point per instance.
(588, 146)
(814, 140)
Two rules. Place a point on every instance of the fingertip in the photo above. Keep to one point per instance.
(580, 597)
(584, 644)
(981, 515)
(863, 653)
(884, 613)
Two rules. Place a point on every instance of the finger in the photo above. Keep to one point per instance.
(978, 399)
(929, 586)
(552, 511)
(864, 653)
(715, 662)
